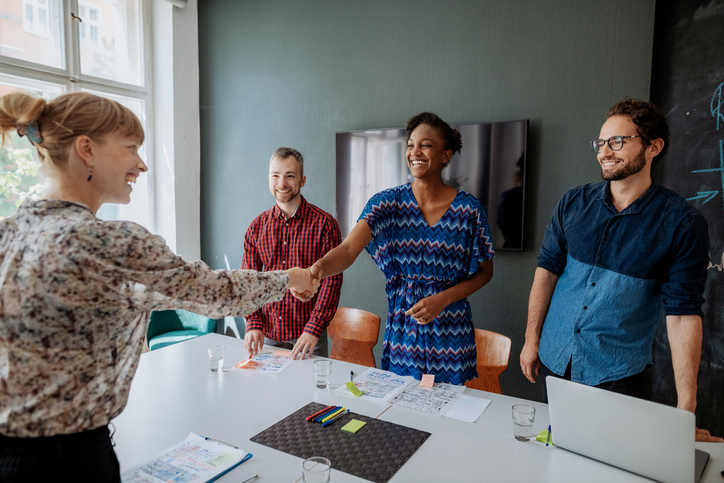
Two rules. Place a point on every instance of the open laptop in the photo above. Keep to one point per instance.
(643, 437)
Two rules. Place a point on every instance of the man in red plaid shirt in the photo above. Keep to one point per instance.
(293, 233)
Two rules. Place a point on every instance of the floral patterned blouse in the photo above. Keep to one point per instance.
(75, 297)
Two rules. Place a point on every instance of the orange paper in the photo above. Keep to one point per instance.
(427, 380)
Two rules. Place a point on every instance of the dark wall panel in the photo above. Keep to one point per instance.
(686, 84)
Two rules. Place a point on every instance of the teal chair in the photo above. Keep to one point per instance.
(168, 327)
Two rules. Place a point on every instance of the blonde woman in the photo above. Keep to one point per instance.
(76, 291)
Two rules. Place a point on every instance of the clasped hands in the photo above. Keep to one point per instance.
(425, 311)
(302, 283)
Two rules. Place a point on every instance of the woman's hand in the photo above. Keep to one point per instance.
(428, 308)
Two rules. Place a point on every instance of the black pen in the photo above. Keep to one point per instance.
(351, 375)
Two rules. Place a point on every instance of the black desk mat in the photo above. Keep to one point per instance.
(376, 452)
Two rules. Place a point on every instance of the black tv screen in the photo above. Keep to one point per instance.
(491, 166)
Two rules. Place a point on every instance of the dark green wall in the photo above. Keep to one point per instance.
(292, 73)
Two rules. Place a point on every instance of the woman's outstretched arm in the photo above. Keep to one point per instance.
(343, 256)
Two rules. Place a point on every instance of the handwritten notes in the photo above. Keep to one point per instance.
(195, 459)
(378, 385)
(266, 363)
(434, 401)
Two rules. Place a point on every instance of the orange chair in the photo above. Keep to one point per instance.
(493, 355)
(354, 333)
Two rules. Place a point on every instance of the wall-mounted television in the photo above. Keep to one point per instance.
(491, 166)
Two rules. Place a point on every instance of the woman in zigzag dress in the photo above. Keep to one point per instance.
(434, 246)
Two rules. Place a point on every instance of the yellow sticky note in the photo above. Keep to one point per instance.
(353, 389)
(427, 380)
(353, 426)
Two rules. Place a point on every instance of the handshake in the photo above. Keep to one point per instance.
(304, 282)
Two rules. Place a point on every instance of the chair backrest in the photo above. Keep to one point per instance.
(354, 333)
(164, 321)
(493, 355)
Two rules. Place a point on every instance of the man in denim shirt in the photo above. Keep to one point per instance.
(613, 254)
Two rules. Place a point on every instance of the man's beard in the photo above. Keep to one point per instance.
(628, 169)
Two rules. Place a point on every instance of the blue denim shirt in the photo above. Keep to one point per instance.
(616, 270)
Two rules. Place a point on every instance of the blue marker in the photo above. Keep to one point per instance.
(334, 418)
(324, 415)
(549, 435)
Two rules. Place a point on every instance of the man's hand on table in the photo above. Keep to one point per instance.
(253, 341)
(705, 436)
(305, 346)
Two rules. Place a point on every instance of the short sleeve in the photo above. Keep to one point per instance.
(482, 249)
(553, 253)
(377, 214)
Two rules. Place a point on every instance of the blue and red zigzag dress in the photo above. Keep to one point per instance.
(418, 261)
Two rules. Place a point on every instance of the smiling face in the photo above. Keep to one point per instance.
(285, 179)
(117, 167)
(630, 159)
(426, 153)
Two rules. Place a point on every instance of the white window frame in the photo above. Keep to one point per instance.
(71, 78)
(32, 27)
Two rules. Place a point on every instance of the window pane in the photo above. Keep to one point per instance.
(113, 50)
(138, 209)
(31, 32)
(19, 164)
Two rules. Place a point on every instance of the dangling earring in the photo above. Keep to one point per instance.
(90, 173)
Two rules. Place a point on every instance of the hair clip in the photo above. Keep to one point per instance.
(30, 129)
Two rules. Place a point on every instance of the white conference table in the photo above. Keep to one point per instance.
(174, 393)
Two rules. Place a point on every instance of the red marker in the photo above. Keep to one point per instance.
(320, 412)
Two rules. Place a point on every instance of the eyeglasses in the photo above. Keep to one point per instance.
(614, 142)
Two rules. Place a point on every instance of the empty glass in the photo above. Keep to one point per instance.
(316, 469)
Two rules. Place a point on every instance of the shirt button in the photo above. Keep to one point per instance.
(281, 319)
(585, 307)
(284, 262)
(286, 243)
(578, 331)
(593, 284)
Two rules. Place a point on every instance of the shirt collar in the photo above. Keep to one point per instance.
(299, 213)
(635, 207)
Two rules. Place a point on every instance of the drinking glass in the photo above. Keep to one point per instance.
(316, 469)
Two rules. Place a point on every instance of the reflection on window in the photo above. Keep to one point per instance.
(89, 28)
(111, 40)
(36, 17)
(30, 30)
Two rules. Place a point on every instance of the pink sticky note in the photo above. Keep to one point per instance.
(427, 380)
(283, 353)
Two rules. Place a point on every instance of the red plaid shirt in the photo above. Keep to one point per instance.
(273, 242)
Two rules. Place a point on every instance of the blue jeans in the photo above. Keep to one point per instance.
(82, 457)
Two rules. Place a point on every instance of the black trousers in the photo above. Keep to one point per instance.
(634, 386)
(82, 457)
